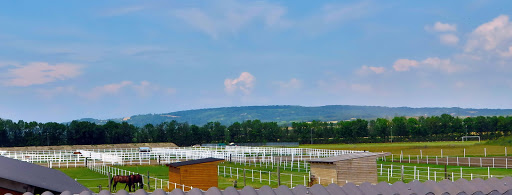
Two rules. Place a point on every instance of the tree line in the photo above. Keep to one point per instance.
(433, 128)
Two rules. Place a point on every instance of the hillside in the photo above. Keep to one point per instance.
(288, 114)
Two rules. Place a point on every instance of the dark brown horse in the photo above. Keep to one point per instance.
(122, 179)
(137, 179)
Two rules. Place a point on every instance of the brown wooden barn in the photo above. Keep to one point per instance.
(355, 168)
(200, 173)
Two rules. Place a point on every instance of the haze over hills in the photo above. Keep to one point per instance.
(288, 114)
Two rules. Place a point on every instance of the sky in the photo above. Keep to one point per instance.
(63, 60)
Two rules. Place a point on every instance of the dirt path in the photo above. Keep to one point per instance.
(103, 146)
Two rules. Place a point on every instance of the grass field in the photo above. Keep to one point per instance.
(86, 177)
(423, 172)
(162, 172)
(450, 148)
(92, 179)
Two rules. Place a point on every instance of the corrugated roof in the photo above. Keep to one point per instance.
(347, 157)
(192, 162)
(492, 186)
(38, 176)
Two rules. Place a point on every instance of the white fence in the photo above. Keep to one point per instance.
(494, 162)
(394, 172)
(482, 153)
(241, 154)
(265, 177)
(153, 181)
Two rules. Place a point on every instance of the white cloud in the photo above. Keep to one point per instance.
(9, 63)
(292, 84)
(449, 39)
(112, 88)
(37, 73)
(244, 83)
(50, 93)
(444, 65)
(334, 13)
(145, 88)
(123, 10)
(442, 27)
(495, 35)
(404, 64)
(506, 53)
(232, 16)
(142, 89)
(170, 91)
(434, 63)
(363, 88)
(365, 70)
(459, 84)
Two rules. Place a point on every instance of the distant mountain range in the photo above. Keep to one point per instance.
(288, 114)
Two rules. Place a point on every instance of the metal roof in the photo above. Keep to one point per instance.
(492, 186)
(38, 176)
(347, 157)
(192, 162)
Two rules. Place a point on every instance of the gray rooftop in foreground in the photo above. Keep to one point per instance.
(347, 157)
(38, 176)
(492, 186)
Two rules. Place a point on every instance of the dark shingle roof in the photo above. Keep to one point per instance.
(38, 176)
(492, 186)
(192, 162)
(347, 157)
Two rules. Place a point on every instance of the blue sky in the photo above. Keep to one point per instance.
(64, 60)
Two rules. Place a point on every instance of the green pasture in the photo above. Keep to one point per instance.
(450, 148)
(92, 179)
(88, 178)
(253, 176)
(478, 172)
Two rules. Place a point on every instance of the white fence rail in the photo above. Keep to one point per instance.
(265, 177)
(267, 156)
(393, 172)
(154, 182)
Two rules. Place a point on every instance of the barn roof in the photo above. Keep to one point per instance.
(193, 162)
(347, 157)
(492, 186)
(38, 176)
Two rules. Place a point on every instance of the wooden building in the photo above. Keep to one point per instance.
(355, 168)
(18, 177)
(200, 173)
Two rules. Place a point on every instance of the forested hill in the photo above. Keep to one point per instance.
(288, 114)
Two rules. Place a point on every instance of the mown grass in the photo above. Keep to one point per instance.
(450, 148)
(87, 178)
(253, 171)
(83, 174)
(452, 171)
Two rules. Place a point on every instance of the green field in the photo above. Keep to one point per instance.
(423, 172)
(226, 178)
(450, 148)
(88, 178)
(92, 179)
